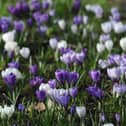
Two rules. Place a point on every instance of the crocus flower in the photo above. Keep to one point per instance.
(68, 58)
(114, 73)
(41, 95)
(72, 77)
(62, 44)
(104, 37)
(76, 5)
(36, 81)
(25, 52)
(19, 26)
(61, 75)
(33, 69)
(63, 100)
(102, 117)
(73, 92)
(10, 80)
(35, 5)
(72, 109)
(109, 45)
(52, 83)
(117, 117)
(77, 20)
(74, 28)
(119, 89)
(53, 43)
(95, 75)
(118, 27)
(62, 24)
(81, 111)
(9, 71)
(8, 36)
(106, 27)
(123, 43)
(13, 64)
(21, 107)
(100, 47)
(95, 91)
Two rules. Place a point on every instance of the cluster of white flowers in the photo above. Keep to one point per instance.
(12, 46)
(6, 111)
(106, 45)
(54, 44)
(117, 27)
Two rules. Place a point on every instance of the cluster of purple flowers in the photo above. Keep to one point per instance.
(69, 56)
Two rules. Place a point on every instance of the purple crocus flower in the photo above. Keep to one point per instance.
(44, 17)
(95, 91)
(95, 75)
(36, 81)
(14, 64)
(42, 30)
(65, 50)
(63, 100)
(80, 57)
(117, 117)
(5, 23)
(61, 76)
(41, 95)
(76, 5)
(33, 69)
(77, 20)
(73, 92)
(10, 80)
(72, 77)
(30, 22)
(45, 5)
(52, 83)
(72, 109)
(19, 26)
(35, 5)
(21, 107)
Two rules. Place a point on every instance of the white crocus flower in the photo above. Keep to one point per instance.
(53, 43)
(11, 46)
(100, 47)
(45, 87)
(6, 111)
(123, 43)
(81, 111)
(62, 24)
(62, 44)
(8, 71)
(106, 27)
(118, 27)
(25, 52)
(74, 28)
(9, 36)
(109, 45)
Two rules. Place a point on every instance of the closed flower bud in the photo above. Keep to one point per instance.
(100, 47)
(109, 45)
(62, 24)
(53, 43)
(74, 28)
(81, 111)
(123, 43)
(62, 44)
(25, 52)
(106, 27)
(108, 124)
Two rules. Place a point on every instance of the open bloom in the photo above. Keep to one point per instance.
(6, 111)
(13, 71)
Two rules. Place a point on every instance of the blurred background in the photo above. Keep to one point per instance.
(121, 4)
